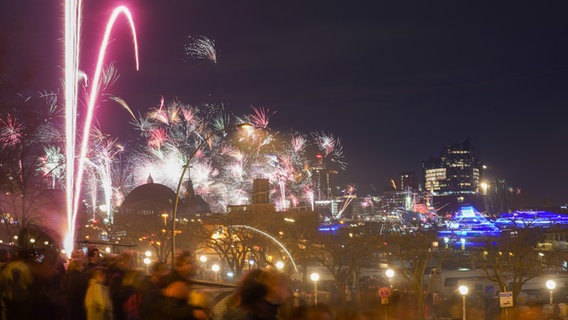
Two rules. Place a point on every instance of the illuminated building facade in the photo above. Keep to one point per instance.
(454, 178)
(322, 180)
(456, 171)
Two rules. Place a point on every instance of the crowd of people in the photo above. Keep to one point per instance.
(88, 286)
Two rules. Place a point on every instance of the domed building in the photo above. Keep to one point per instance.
(148, 209)
(150, 199)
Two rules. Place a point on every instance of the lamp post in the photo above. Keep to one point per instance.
(390, 275)
(203, 260)
(550, 284)
(216, 269)
(484, 187)
(463, 291)
(315, 278)
(384, 300)
(180, 182)
(147, 260)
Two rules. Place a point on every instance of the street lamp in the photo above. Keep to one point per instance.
(165, 216)
(203, 259)
(279, 265)
(463, 291)
(550, 284)
(215, 269)
(484, 186)
(315, 278)
(390, 275)
(147, 262)
(185, 167)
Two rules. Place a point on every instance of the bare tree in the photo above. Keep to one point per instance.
(23, 135)
(239, 238)
(342, 252)
(414, 253)
(511, 260)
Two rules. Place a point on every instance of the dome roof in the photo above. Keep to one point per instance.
(155, 193)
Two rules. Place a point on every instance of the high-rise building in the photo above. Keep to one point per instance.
(456, 171)
(408, 181)
(454, 179)
(260, 191)
(321, 179)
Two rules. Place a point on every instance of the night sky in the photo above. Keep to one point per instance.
(394, 80)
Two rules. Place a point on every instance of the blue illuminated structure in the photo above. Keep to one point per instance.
(531, 219)
(468, 223)
(331, 228)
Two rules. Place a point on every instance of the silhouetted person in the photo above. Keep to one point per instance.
(151, 292)
(75, 287)
(173, 302)
(260, 295)
(16, 281)
(93, 259)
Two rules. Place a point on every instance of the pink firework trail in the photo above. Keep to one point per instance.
(260, 118)
(71, 71)
(298, 143)
(11, 131)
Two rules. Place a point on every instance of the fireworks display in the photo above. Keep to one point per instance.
(222, 173)
(11, 131)
(72, 30)
(222, 163)
(52, 164)
(200, 47)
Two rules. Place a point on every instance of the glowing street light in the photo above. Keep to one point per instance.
(551, 284)
(463, 291)
(279, 265)
(315, 278)
(165, 216)
(216, 269)
(484, 186)
(205, 141)
(203, 259)
(147, 262)
(390, 275)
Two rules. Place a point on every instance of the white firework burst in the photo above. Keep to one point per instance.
(201, 47)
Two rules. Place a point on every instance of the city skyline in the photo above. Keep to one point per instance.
(394, 82)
